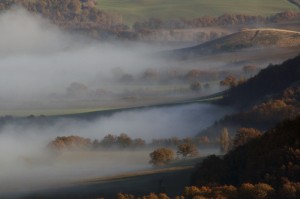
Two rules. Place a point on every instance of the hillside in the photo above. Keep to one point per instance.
(264, 100)
(269, 83)
(247, 38)
(273, 158)
(136, 10)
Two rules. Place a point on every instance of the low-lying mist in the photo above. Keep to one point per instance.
(38, 59)
(39, 62)
(26, 164)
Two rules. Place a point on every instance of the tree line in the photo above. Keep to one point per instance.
(83, 16)
(289, 190)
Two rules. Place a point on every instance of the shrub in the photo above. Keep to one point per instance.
(187, 149)
(161, 156)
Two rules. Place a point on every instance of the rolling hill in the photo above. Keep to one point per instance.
(136, 10)
(268, 83)
(247, 38)
(264, 100)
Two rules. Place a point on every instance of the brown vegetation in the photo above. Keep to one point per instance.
(161, 156)
(84, 17)
(225, 140)
(70, 143)
(187, 149)
(270, 158)
(244, 135)
(205, 21)
(264, 100)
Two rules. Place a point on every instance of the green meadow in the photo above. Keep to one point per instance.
(133, 10)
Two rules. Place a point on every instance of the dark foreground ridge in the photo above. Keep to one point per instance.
(272, 158)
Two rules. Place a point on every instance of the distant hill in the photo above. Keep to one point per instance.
(295, 2)
(247, 38)
(137, 10)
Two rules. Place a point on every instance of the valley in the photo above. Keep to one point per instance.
(149, 99)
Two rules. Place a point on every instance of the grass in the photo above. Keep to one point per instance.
(95, 111)
(52, 112)
(174, 177)
(249, 38)
(134, 10)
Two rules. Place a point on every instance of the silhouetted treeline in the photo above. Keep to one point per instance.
(272, 158)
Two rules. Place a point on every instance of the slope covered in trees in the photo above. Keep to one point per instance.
(272, 158)
(269, 83)
(264, 100)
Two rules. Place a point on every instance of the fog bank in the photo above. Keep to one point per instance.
(26, 164)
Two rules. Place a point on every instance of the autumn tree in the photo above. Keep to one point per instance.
(161, 156)
(195, 86)
(124, 196)
(204, 140)
(109, 141)
(75, 6)
(124, 140)
(70, 143)
(290, 190)
(138, 143)
(230, 81)
(77, 89)
(250, 69)
(224, 140)
(193, 74)
(246, 190)
(263, 191)
(244, 135)
(187, 149)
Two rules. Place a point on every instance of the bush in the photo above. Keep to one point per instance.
(70, 143)
(244, 135)
(161, 156)
(263, 191)
(195, 86)
(187, 149)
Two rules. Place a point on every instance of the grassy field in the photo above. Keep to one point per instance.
(133, 10)
(174, 178)
(247, 39)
